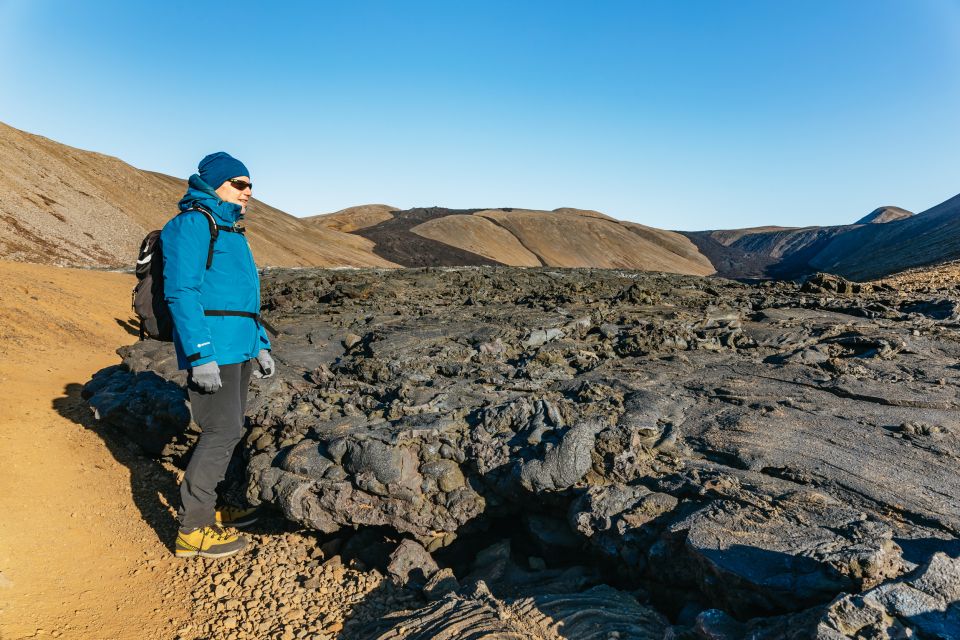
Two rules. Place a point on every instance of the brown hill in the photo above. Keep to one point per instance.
(563, 237)
(353, 218)
(479, 235)
(589, 213)
(568, 238)
(65, 206)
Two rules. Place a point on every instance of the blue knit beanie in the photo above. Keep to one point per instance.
(219, 167)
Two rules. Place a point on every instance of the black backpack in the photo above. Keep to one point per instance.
(148, 300)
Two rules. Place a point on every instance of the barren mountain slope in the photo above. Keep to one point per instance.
(887, 240)
(882, 215)
(353, 218)
(564, 237)
(727, 237)
(478, 235)
(279, 239)
(675, 243)
(65, 206)
(568, 239)
(587, 213)
(876, 250)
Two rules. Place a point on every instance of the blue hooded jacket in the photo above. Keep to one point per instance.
(230, 284)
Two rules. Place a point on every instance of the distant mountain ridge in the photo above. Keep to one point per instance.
(886, 241)
(882, 215)
(566, 237)
(65, 206)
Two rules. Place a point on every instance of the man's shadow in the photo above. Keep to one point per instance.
(145, 423)
(129, 327)
(153, 487)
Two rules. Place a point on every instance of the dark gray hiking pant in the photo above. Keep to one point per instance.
(220, 416)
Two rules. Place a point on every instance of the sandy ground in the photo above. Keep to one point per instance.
(85, 534)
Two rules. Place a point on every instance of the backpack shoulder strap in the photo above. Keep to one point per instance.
(214, 230)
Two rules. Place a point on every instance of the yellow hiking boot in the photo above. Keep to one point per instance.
(208, 542)
(236, 516)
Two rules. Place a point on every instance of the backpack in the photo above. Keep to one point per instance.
(148, 299)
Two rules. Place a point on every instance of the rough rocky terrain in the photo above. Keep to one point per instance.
(584, 453)
(87, 532)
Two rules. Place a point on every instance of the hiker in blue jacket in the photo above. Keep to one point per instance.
(213, 291)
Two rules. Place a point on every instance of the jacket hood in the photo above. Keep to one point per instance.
(202, 194)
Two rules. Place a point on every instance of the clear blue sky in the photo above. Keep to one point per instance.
(678, 114)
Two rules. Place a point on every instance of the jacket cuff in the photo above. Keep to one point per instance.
(264, 340)
(203, 356)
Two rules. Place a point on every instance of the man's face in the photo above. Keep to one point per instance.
(230, 191)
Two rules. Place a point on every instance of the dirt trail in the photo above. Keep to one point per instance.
(83, 548)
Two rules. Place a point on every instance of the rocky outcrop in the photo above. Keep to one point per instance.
(729, 456)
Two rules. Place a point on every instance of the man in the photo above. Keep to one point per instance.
(213, 292)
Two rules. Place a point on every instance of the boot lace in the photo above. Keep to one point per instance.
(219, 533)
(231, 513)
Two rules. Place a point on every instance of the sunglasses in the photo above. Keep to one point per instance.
(241, 185)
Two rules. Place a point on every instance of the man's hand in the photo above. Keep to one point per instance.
(265, 364)
(207, 376)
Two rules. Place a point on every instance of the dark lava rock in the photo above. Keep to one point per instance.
(760, 450)
(758, 552)
(598, 613)
(924, 605)
(411, 564)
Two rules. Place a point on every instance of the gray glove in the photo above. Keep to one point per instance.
(265, 362)
(207, 376)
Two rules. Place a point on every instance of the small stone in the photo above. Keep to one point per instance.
(411, 563)
(331, 548)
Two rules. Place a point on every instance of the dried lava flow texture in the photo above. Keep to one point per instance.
(755, 450)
